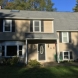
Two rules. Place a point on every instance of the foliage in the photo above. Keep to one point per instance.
(13, 61)
(33, 63)
(1, 2)
(39, 5)
(10, 61)
(75, 9)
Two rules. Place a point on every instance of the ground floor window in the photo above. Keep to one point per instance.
(12, 50)
(20, 50)
(66, 55)
(3, 50)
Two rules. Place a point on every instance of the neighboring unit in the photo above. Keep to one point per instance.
(44, 36)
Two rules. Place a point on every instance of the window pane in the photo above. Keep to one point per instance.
(20, 53)
(7, 23)
(66, 53)
(3, 52)
(20, 47)
(64, 34)
(3, 48)
(11, 50)
(7, 28)
(65, 39)
(36, 28)
(65, 57)
(36, 23)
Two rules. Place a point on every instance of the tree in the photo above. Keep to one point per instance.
(1, 2)
(39, 5)
(75, 9)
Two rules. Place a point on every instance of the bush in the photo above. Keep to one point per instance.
(34, 64)
(13, 61)
(9, 61)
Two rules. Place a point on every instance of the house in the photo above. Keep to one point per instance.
(40, 35)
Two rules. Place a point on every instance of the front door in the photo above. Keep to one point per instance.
(41, 51)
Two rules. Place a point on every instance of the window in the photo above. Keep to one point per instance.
(7, 25)
(11, 50)
(65, 37)
(20, 50)
(67, 55)
(37, 26)
(3, 50)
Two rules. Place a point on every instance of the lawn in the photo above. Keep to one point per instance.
(45, 72)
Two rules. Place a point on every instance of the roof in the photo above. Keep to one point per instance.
(62, 20)
(41, 35)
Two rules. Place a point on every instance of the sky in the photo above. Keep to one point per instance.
(64, 5)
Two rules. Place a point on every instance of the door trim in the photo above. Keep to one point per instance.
(45, 53)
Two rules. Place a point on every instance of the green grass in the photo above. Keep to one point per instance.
(46, 72)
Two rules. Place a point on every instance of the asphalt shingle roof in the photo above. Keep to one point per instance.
(41, 35)
(62, 20)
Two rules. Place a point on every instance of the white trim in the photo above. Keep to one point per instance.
(26, 52)
(38, 54)
(34, 25)
(4, 25)
(17, 50)
(45, 53)
(41, 39)
(12, 43)
(68, 55)
(52, 26)
(58, 50)
(67, 37)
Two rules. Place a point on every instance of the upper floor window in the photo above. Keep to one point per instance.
(65, 37)
(7, 25)
(36, 25)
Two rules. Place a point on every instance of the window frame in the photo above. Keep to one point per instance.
(4, 25)
(68, 55)
(20, 50)
(67, 38)
(39, 25)
(5, 50)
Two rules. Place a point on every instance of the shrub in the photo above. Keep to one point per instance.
(13, 61)
(34, 64)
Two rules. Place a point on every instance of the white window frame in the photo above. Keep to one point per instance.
(13, 43)
(4, 25)
(34, 26)
(67, 38)
(20, 50)
(68, 55)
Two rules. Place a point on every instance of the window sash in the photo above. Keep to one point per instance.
(18, 53)
(7, 27)
(67, 56)
(65, 37)
(36, 28)
(20, 50)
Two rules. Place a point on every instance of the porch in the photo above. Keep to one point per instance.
(42, 50)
